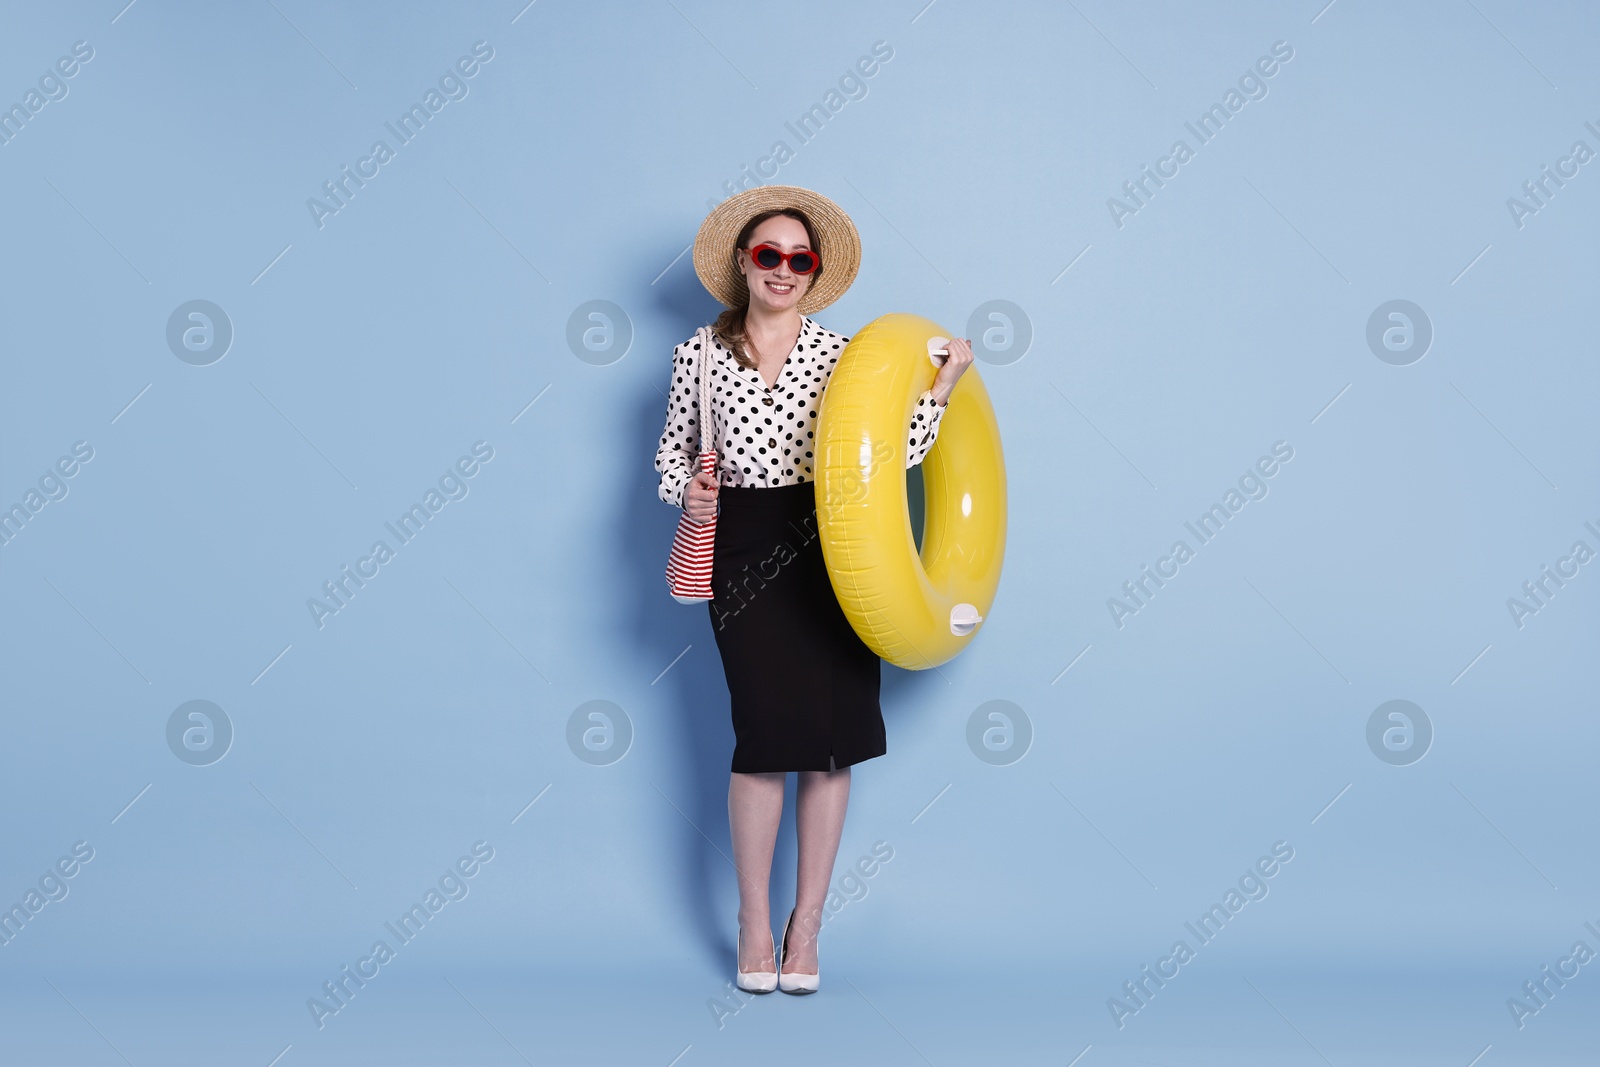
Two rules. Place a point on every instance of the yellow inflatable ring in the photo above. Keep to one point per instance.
(914, 611)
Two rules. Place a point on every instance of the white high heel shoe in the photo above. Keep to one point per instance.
(795, 981)
(753, 981)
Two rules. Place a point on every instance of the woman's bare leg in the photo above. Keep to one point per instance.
(820, 800)
(755, 805)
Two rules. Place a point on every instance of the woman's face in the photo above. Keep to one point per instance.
(778, 289)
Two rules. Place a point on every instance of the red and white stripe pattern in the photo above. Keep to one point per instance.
(689, 562)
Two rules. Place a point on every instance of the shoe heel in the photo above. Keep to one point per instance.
(752, 981)
(795, 982)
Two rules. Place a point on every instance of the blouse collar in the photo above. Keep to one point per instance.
(808, 329)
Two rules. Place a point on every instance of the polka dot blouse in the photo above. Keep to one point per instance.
(764, 437)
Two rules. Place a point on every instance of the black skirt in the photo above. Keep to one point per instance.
(803, 686)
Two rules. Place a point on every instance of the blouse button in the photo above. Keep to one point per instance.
(772, 442)
(767, 400)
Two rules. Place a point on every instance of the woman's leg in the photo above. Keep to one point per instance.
(820, 800)
(755, 805)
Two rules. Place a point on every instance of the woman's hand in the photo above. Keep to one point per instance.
(700, 498)
(955, 364)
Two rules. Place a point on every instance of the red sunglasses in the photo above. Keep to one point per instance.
(767, 257)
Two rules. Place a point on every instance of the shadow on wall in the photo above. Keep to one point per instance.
(695, 730)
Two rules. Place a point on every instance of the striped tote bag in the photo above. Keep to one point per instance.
(689, 562)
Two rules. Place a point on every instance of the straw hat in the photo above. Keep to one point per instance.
(714, 253)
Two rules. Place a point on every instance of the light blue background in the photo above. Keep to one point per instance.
(1228, 314)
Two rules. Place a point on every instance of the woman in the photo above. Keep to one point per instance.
(803, 686)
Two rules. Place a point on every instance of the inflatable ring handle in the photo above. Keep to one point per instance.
(914, 610)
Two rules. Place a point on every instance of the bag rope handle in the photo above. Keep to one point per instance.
(705, 333)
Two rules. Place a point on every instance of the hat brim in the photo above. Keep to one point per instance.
(713, 245)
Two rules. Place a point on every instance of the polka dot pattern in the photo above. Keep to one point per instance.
(764, 436)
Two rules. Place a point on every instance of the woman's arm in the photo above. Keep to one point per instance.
(680, 440)
(925, 419)
(929, 412)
